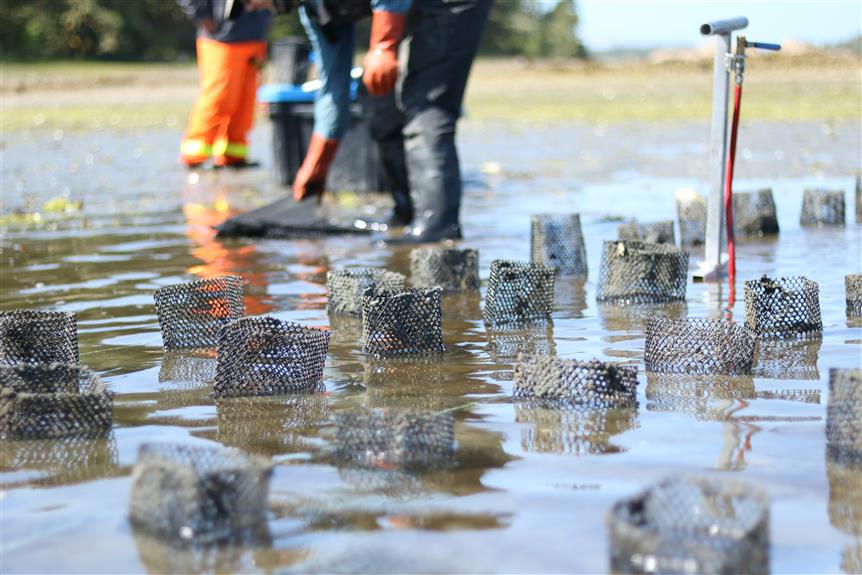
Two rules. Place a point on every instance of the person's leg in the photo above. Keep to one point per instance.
(209, 112)
(440, 44)
(386, 124)
(233, 149)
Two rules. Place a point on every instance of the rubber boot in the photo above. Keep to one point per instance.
(310, 179)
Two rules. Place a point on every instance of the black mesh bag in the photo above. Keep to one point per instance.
(638, 272)
(450, 268)
(844, 416)
(382, 438)
(698, 345)
(853, 293)
(572, 429)
(198, 494)
(654, 233)
(192, 314)
(691, 525)
(53, 400)
(265, 356)
(754, 214)
(405, 322)
(38, 337)
(592, 383)
(519, 293)
(691, 213)
(783, 307)
(786, 358)
(556, 241)
(822, 208)
(347, 285)
(185, 367)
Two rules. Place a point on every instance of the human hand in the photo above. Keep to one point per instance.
(381, 71)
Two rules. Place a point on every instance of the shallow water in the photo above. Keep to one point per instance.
(531, 487)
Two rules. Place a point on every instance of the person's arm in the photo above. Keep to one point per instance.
(200, 12)
(381, 60)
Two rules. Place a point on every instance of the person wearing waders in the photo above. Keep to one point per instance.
(231, 48)
(415, 126)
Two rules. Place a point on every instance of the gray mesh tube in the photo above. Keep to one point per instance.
(844, 415)
(192, 314)
(406, 322)
(754, 214)
(572, 430)
(655, 233)
(556, 241)
(587, 383)
(197, 494)
(518, 293)
(698, 345)
(347, 285)
(451, 269)
(638, 272)
(822, 208)
(691, 213)
(783, 307)
(54, 400)
(265, 356)
(853, 294)
(36, 337)
(402, 438)
(691, 525)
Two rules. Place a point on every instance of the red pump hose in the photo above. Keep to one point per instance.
(728, 195)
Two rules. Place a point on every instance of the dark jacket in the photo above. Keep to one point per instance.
(248, 26)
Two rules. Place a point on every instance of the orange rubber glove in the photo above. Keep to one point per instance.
(310, 179)
(381, 60)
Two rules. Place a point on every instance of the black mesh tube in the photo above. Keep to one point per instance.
(347, 285)
(822, 208)
(691, 213)
(38, 337)
(405, 322)
(853, 294)
(654, 233)
(192, 314)
(754, 214)
(450, 268)
(783, 307)
(698, 345)
(518, 293)
(587, 383)
(844, 415)
(638, 272)
(556, 241)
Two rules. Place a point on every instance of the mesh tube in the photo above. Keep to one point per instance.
(403, 322)
(654, 233)
(844, 416)
(192, 314)
(188, 493)
(698, 345)
(691, 213)
(556, 241)
(518, 292)
(347, 285)
(691, 525)
(451, 269)
(822, 208)
(378, 438)
(754, 214)
(586, 383)
(265, 356)
(572, 430)
(38, 337)
(54, 400)
(853, 293)
(782, 308)
(637, 272)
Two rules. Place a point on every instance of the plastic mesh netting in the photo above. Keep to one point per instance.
(787, 358)
(853, 294)
(518, 292)
(265, 356)
(405, 322)
(844, 415)
(691, 213)
(38, 337)
(556, 241)
(450, 268)
(192, 314)
(754, 214)
(378, 438)
(586, 383)
(698, 345)
(346, 287)
(654, 233)
(638, 272)
(198, 494)
(822, 208)
(572, 430)
(783, 307)
(188, 367)
(691, 525)
(54, 400)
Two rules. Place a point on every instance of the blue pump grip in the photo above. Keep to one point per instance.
(764, 46)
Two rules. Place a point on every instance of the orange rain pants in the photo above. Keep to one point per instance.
(224, 111)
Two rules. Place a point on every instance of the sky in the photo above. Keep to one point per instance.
(608, 24)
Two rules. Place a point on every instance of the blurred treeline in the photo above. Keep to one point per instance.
(156, 30)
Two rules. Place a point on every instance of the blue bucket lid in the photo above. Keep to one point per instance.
(293, 94)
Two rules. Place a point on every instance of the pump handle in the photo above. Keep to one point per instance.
(764, 46)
